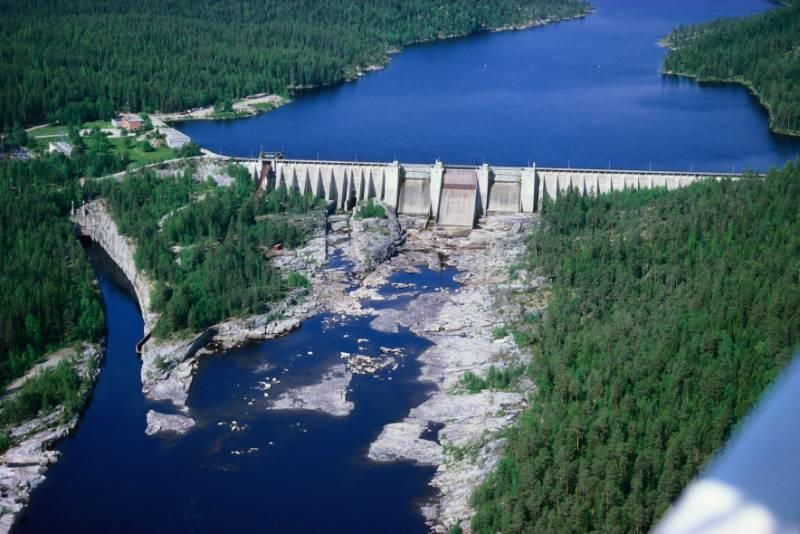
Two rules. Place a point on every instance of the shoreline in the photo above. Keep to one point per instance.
(24, 465)
(168, 364)
(458, 322)
(742, 82)
(242, 108)
(204, 113)
(462, 325)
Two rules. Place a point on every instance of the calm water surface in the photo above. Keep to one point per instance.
(288, 471)
(582, 93)
(579, 93)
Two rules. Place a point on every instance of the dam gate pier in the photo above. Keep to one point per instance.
(453, 195)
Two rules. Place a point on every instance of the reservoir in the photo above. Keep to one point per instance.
(580, 93)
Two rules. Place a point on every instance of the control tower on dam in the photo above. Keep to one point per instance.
(453, 195)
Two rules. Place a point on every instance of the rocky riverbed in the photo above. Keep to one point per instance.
(461, 323)
(168, 365)
(161, 422)
(328, 396)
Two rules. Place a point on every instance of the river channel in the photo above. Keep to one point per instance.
(580, 93)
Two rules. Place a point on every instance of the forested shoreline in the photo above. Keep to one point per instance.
(79, 60)
(671, 312)
(48, 296)
(208, 247)
(759, 51)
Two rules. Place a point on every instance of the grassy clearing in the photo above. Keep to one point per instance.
(137, 154)
(48, 131)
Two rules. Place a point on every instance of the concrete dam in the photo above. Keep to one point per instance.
(453, 195)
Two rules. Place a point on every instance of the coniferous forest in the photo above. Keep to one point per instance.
(207, 247)
(760, 51)
(79, 60)
(47, 292)
(671, 312)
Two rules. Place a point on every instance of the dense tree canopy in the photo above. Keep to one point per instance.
(208, 247)
(762, 51)
(82, 59)
(670, 315)
(47, 295)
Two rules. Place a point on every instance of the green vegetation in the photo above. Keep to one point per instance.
(760, 51)
(47, 292)
(208, 247)
(78, 60)
(97, 154)
(53, 387)
(370, 210)
(224, 110)
(670, 315)
(189, 150)
(49, 133)
(264, 106)
(499, 332)
(503, 379)
(297, 280)
(136, 154)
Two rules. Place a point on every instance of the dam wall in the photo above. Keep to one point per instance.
(454, 195)
(458, 204)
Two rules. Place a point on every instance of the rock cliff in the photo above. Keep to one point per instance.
(94, 221)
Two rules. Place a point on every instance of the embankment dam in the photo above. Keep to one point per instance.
(454, 195)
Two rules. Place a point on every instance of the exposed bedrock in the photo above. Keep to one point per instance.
(461, 325)
(24, 465)
(374, 240)
(327, 396)
(168, 364)
(94, 221)
(167, 423)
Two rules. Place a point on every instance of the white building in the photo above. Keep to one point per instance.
(60, 146)
(174, 138)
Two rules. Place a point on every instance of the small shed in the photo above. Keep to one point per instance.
(60, 146)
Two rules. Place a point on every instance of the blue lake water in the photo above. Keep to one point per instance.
(585, 93)
(579, 93)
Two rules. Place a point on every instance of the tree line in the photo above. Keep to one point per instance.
(759, 50)
(47, 292)
(79, 60)
(670, 314)
(208, 247)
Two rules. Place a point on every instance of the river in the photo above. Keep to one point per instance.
(580, 93)
(283, 471)
(584, 93)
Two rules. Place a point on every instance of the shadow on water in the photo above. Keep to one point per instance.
(282, 471)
